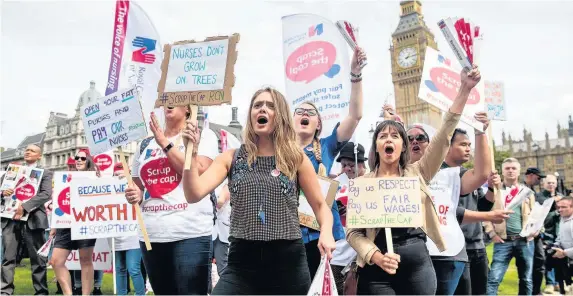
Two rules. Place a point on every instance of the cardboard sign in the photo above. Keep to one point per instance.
(306, 216)
(384, 203)
(61, 203)
(537, 217)
(494, 100)
(198, 73)
(113, 121)
(99, 209)
(102, 257)
(105, 163)
(25, 182)
(440, 85)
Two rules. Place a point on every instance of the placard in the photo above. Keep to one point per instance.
(306, 216)
(99, 209)
(105, 162)
(494, 100)
(384, 203)
(440, 85)
(198, 73)
(61, 197)
(101, 258)
(537, 217)
(113, 121)
(25, 182)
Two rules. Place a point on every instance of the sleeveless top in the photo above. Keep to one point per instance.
(254, 189)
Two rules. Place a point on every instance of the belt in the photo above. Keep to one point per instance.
(514, 237)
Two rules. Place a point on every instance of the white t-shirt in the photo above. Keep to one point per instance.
(167, 215)
(343, 254)
(125, 243)
(223, 222)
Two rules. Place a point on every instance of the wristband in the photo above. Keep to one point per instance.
(356, 75)
(356, 80)
(478, 132)
(490, 189)
(167, 148)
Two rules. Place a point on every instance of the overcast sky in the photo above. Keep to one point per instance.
(51, 50)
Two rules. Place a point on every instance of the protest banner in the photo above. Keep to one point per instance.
(440, 85)
(317, 67)
(25, 182)
(119, 114)
(306, 215)
(384, 203)
(445, 189)
(464, 39)
(112, 121)
(350, 34)
(99, 209)
(494, 100)
(515, 195)
(61, 197)
(536, 218)
(102, 257)
(105, 163)
(198, 74)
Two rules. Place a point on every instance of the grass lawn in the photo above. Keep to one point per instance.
(23, 279)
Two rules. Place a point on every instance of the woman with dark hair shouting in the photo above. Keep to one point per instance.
(323, 151)
(266, 254)
(409, 269)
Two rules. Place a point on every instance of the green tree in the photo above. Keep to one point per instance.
(499, 156)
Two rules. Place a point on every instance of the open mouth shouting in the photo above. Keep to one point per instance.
(304, 122)
(262, 120)
(416, 149)
(388, 150)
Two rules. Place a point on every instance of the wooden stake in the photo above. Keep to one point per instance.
(496, 190)
(389, 242)
(189, 150)
(137, 208)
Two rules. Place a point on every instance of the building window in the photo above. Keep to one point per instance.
(559, 159)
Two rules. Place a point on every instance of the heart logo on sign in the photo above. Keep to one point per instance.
(63, 202)
(448, 82)
(512, 194)
(25, 192)
(159, 177)
(103, 161)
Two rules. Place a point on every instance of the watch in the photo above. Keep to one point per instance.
(167, 148)
(490, 189)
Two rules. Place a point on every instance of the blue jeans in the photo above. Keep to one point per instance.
(550, 277)
(179, 268)
(129, 262)
(98, 278)
(448, 274)
(502, 254)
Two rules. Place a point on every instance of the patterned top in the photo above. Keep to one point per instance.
(253, 190)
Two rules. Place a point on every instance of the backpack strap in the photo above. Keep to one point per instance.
(144, 144)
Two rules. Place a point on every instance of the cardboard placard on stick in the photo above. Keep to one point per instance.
(306, 215)
(191, 72)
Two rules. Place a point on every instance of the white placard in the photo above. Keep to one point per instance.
(537, 217)
(25, 182)
(105, 163)
(99, 209)
(197, 66)
(113, 121)
(102, 257)
(61, 197)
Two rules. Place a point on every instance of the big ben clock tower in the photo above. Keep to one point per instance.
(408, 50)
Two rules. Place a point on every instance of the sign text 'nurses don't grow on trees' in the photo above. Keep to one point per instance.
(113, 121)
(384, 202)
(198, 73)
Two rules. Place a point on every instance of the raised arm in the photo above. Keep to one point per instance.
(430, 163)
(350, 122)
(196, 186)
(475, 177)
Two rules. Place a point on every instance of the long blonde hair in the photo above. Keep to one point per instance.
(288, 155)
(316, 147)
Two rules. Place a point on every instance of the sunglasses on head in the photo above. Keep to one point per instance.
(419, 138)
(300, 111)
(82, 158)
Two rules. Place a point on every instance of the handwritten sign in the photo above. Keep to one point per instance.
(198, 73)
(384, 202)
(113, 121)
(25, 182)
(61, 202)
(440, 85)
(494, 100)
(306, 216)
(101, 257)
(99, 209)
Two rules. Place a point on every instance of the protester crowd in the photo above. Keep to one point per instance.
(232, 225)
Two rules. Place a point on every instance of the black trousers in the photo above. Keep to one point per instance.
(563, 272)
(415, 274)
(538, 265)
(474, 278)
(265, 268)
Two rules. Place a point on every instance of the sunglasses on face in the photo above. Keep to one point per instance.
(419, 138)
(300, 111)
(81, 158)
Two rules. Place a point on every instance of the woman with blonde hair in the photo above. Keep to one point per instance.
(322, 151)
(409, 269)
(265, 176)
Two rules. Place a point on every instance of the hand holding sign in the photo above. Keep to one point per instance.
(191, 133)
(498, 216)
(133, 194)
(358, 60)
(8, 192)
(388, 262)
(494, 181)
(470, 78)
(482, 117)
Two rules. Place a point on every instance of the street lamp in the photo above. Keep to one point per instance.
(536, 154)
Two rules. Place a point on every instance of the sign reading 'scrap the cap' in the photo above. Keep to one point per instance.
(113, 121)
(198, 73)
(384, 202)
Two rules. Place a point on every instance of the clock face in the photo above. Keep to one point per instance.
(407, 57)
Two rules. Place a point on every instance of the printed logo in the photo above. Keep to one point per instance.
(150, 153)
(23, 193)
(312, 60)
(103, 161)
(315, 30)
(159, 178)
(143, 55)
